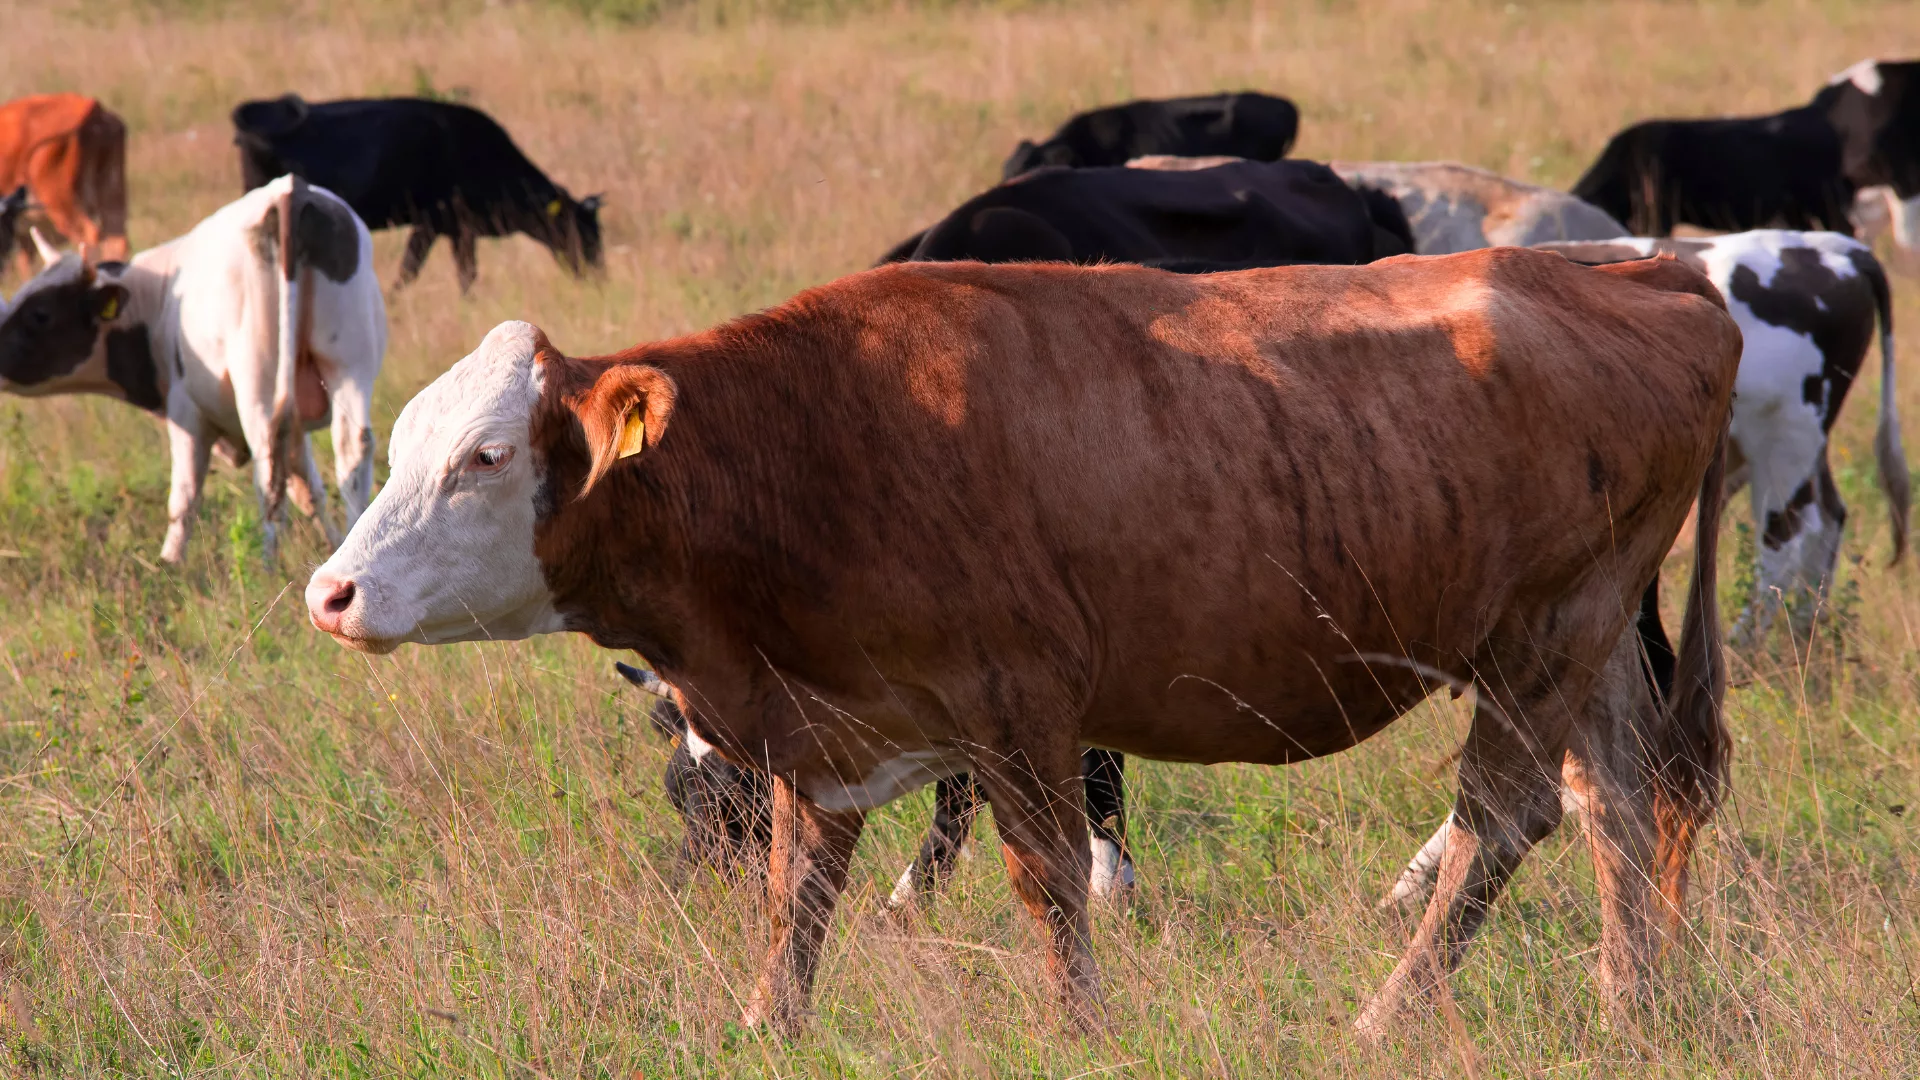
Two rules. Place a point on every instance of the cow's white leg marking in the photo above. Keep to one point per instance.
(904, 894)
(1415, 885)
(1112, 870)
(189, 444)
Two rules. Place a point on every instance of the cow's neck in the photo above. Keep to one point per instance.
(138, 369)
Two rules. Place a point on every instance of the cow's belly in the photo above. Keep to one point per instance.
(1285, 712)
(883, 781)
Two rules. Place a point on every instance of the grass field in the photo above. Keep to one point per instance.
(228, 847)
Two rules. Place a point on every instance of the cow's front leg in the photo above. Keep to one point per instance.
(811, 852)
(466, 258)
(956, 802)
(189, 444)
(419, 243)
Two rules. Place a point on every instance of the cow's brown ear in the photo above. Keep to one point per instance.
(625, 413)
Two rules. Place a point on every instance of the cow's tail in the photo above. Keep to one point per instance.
(1691, 744)
(1888, 450)
(287, 282)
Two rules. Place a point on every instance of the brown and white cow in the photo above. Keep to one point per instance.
(71, 153)
(935, 518)
(262, 324)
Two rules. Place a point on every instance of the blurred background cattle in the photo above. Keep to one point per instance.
(439, 168)
(70, 152)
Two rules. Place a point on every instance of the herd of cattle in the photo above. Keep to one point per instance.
(1214, 471)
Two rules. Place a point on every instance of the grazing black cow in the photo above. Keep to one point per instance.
(443, 169)
(1238, 214)
(1730, 174)
(726, 808)
(1247, 125)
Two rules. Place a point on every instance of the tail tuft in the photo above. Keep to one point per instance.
(1692, 745)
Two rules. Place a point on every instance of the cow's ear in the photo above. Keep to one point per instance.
(625, 413)
(108, 301)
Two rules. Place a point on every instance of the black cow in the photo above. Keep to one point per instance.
(1797, 169)
(443, 169)
(1247, 125)
(1731, 174)
(1239, 214)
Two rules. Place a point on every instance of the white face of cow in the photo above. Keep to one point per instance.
(445, 553)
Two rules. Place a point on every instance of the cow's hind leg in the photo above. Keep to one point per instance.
(1509, 800)
(1038, 809)
(1610, 771)
(1799, 547)
(806, 869)
(309, 492)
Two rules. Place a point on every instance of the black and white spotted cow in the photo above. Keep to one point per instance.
(262, 324)
(727, 808)
(1806, 304)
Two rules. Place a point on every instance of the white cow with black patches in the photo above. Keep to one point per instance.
(261, 325)
(1806, 303)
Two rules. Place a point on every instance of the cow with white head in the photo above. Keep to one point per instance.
(262, 324)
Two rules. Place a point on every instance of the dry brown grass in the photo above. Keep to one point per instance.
(234, 849)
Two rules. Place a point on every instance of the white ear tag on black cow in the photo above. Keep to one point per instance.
(633, 434)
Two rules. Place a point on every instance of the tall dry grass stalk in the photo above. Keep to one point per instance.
(233, 849)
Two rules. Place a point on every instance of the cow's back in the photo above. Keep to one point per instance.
(1240, 212)
(32, 123)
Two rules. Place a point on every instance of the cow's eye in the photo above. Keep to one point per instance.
(490, 458)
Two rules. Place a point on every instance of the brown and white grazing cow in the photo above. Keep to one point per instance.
(71, 153)
(262, 324)
(934, 518)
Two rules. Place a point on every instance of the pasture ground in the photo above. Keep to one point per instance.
(231, 848)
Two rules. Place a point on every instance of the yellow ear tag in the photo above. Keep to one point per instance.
(633, 436)
(553, 208)
(110, 309)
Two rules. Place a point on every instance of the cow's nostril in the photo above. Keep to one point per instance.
(341, 600)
